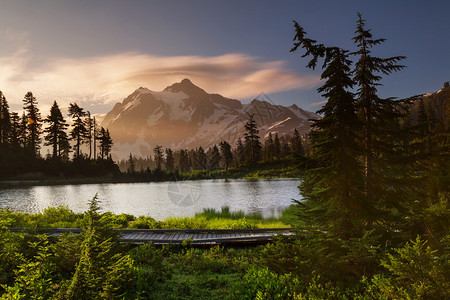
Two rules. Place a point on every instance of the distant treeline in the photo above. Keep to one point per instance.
(248, 150)
(21, 138)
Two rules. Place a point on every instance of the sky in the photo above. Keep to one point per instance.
(96, 53)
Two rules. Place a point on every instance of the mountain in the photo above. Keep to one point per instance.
(185, 116)
(437, 103)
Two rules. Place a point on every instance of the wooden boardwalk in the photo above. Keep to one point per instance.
(193, 236)
(202, 236)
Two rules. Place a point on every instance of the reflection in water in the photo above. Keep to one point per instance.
(267, 197)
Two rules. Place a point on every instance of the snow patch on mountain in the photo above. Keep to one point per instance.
(185, 116)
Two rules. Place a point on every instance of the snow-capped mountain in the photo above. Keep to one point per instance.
(185, 116)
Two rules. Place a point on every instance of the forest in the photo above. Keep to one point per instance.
(373, 222)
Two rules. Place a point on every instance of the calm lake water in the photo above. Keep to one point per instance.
(160, 200)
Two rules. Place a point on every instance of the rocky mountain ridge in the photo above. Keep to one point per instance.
(185, 116)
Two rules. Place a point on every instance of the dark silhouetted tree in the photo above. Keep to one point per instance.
(5, 122)
(79, 130)
(252, 145)
(55, 131)
(158, 156)
(170, 160)
(34, 126)
(296, 145)
(375, 111)
(226, 154)
(201, 159)
(269, 148)
(213, 158)
(106, 143)
(333, 181)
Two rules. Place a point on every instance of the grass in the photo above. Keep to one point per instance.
(209, 218)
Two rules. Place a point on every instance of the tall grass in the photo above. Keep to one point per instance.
(209, 218)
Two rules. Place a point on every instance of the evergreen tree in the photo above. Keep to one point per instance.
(240, 153)
(252, 144)
(158, 156)
(170, 160)
(277, 146)
(89, 124)
(106, 143)
(55, 130)
(183, 162)
(33, 123)
(374, 111)
(296, 145)
(79, 130)
(94, 136)
(226, 154)
(15, 131)
(333, 181)
(22, 131)
(201, 158)
(5, 122)
(269, 148)
(213, 158)
(131, 168)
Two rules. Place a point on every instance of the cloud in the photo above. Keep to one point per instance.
(317, 103)
(96, 83)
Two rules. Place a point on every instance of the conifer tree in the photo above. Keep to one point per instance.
(89, 124)
(226, 154)
(333, 182)
(183, 160)
(5, 122)
(252, 144)
(269, 148)
(240, 153)
(79, 130)
(201, 158)
(55, 132)
(15, 131)
(374, 111)
(170, 160)
(34, 125)
(277, 146)
(131, 167)
(296, 145)
(22, 131)
(106, 143)
(213, 158)
(158, 156)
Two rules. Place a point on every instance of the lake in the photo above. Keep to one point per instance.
(160, 200)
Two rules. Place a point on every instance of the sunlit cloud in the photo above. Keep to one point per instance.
(317, 103)
(96, 83)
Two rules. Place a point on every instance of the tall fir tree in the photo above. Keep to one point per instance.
(269, 148)
(158, 156)
(252, 145)
(105, 143)
(381, 154)
(34, 126)
(89, 136)
(5, 121)
(183, 161)
(201, 159)
(79, 130)
(170, 160)
(296, 145)
(55, 131)
(240, 152)
(213, 158)
(226, 154)
(15, 131)
(333, 181)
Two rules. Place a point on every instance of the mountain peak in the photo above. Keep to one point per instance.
(186, 86)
